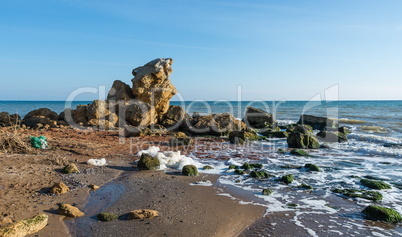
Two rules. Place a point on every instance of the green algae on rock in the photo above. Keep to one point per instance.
(312, 167)
(355, 193)
(266, 191)
(305, 186)
(190, 170)
(148, 162)
(374, 184)
(105, 216)
(25, 227)
(382, 214)
(70, 168)
(287, 179)
(247, 166)
(259, 174)
(207, 167)
(299, 152)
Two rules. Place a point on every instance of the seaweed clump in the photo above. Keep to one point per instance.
(355, 193)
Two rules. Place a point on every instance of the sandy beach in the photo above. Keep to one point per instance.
(194, 210)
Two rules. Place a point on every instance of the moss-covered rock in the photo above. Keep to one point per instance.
(299, 152)
(232, 167)
(356, 193)
(276, 134)
(266, 191)
(281, 151)
(105, 216)
(344, 130)
(148, 162)
(375, 184)
(305, 186)
(190, 170)
(207, 167)
(287, 179)
(292, 205)
(237, 171)
(303, 141)
(259, 174)
(382, 214)
(312, 167)
(241, 136)
(70, 168)
(247, 166)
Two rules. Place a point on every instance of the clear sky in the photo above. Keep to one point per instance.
(273, 49)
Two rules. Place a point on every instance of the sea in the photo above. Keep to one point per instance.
(373, 150)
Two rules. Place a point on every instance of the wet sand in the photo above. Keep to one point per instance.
(185, 210)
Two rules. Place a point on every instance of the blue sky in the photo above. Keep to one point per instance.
(272, 49)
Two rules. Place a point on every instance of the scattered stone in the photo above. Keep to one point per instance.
(143, 214)
(374, 184)
(232, 167)
(70, 211)
(312, 167)
(207, 167)
(148, 162)
(332, 136)
(105, 216)
(281, 151)
(287, 179)
(267, 191)
(305, 186)
(344, 130)
(190, 170)
(256, 118)
(180, 135)
(175, 141)
(5, 221)
(318, 123)
(70, 168)
(382, 214)
(299, 152)
(93, 186)
(25, 227)
(151, 84)
(259, 174)
(292, 205)
(276, 134)
(59, 188)
(214, 124)
(356, 193)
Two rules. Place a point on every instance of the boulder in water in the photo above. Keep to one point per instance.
(318, 123)
(257, 119)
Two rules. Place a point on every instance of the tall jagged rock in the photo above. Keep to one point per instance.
(151, 84)
(120, 91)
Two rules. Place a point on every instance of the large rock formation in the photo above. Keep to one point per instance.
(258, 119)
(120, 91)
(301, 136)
(151, 84)
(214, 124)
(139, 114)
(318, 123)
(173, 117)
(41, 117)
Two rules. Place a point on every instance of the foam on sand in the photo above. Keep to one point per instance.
(97, 162)
(170, 159)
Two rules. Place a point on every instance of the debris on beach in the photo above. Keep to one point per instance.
(59, 188)
(12, 143)
(143, 214)
(70, 168)
(97, 162)
(25, 227)
(69, 210)
(39, 142)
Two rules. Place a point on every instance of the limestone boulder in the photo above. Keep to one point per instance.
(120, 91)
(214, 124)
(69, 210)
(59, 188)
(25, 227)
(318, 123)
(100, 114)
(151, 84)
(139, 114)
(173, 118)
(327, 136)
(258, 119)
(143, 214)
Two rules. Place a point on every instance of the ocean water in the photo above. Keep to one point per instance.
(319, 212)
